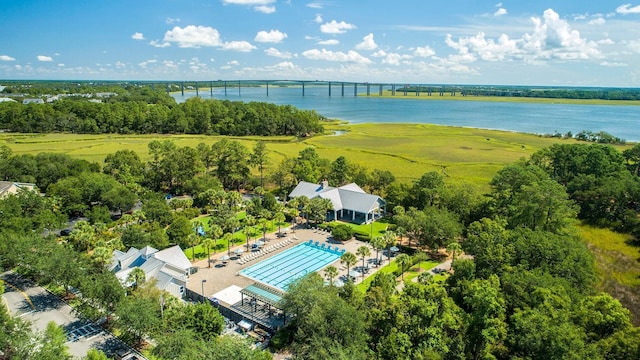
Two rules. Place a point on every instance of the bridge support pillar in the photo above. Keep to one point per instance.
(267, 88)
(329, 88)
(405, 89)
(393, 90)
(211, 88)
(225, 88)
(197, 90)
(380, 90)
(355, 89)
(368, 89)
(342, 89)
(182, 88)
(239, 88)
(302, 89)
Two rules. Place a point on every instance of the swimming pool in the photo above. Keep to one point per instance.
(284, 268)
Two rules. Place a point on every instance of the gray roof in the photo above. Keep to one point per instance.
(166, 265)
(348, 197)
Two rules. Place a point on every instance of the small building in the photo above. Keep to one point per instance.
(6, 99)
(170, 267)
(12, 188)
(32, 101)
(350, 202)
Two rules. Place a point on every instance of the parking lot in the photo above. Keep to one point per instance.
(34, 304)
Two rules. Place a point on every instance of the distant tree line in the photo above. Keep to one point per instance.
(521, 91)
(138, 115)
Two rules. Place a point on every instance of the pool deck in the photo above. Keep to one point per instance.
(219, 277)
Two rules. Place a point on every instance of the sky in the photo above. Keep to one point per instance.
(553, 43)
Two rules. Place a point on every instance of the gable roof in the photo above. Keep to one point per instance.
(166, 265)
(350, 196)
(11, 187)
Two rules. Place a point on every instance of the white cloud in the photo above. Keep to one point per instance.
(634, 46)
(18, 67)
(159, 44)
(273, 36)
(606, 41)
(628, 9)
(192, 36)
(329, 42)
(241, 46)
(318, 19)
(285, 65)
(335, 27)
(613, 64)
(233, 62)
(394, 58)
(367, 43)
(597, 21)
(379, 53)
(6, 58)
(137, 36)
(500, 12)
(424, 51)
(552, 38)
(265, 9)
(120, 65)
(351, 56)
(170, 64)
(145, 63)
(315, 5)
(263, 6)
(172, 20)
(61, 65)
(44, 58)
(277, 53)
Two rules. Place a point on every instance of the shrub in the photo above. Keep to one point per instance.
(342, 232)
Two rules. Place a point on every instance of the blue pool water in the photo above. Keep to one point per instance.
(284, 268)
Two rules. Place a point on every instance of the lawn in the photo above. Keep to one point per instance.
(376, 228)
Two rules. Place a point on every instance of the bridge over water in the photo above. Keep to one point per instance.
(333, 88)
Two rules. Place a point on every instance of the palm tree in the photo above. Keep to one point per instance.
(303, 203)
(331, 272)
(228, 237)
(102, 255)
(454, 248)
(215, 231)
(390, 239)
(378, 243)
(193, 240)
(136, 277)
(403, 260)
(425, 277)
(363, 251)
(249, 221)
(293, 209)
(348, 259)
(207, 242)
(279, 218)
(419, 257)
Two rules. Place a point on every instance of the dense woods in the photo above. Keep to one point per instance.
(527, 290)
(144, 111)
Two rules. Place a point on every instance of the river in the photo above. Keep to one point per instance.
(618, 120)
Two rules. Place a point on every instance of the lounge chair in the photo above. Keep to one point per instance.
(310, 242)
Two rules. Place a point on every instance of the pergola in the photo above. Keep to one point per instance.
(269, 296)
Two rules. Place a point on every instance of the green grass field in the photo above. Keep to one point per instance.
(408, 150)
(515, 99)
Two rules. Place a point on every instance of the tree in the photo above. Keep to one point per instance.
(193, 240)
(228, 237)
(486, 327)
(138, 315)
(454, 249)
(215, 231)
(340, 173)
(279, 218)
(363, 251)
(390, 239)
(403, 260)
(259, 157)
(378, 243)
(53, 343)
(348, 259)
(317, 209)
(179, 230)
(331, 272)
(136, 277)
(207, 243)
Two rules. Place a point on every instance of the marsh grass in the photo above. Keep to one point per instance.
(618, 265)
(407, 150)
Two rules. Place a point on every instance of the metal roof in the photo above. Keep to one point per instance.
(264, 294)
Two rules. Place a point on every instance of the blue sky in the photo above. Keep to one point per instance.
(568, 42)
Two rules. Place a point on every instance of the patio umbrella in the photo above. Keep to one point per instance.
(394, 249)
(338, 283)
(354, 273)
(225, 257)
(238, 251)
(259, 243)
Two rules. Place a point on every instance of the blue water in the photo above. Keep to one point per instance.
(620, 121)
(284, 268)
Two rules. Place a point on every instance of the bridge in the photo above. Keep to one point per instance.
(333, 88)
